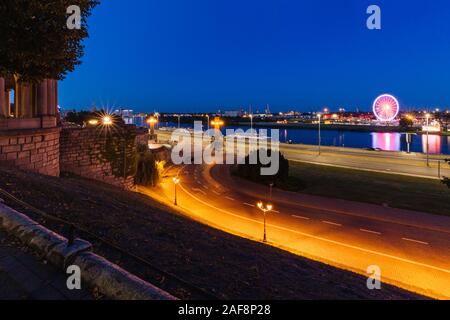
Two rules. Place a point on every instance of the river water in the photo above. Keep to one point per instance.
(353, 139)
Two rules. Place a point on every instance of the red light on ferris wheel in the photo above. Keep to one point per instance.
(386, 107)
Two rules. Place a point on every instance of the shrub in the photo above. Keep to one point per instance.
(147, 173)
(253, 171)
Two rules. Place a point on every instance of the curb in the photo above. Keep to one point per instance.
(111, 280)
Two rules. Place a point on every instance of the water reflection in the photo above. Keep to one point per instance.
(397, 142)
(386, 141)
(393, 141)
(434, 143)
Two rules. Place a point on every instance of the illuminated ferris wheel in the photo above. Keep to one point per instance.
(386, 108)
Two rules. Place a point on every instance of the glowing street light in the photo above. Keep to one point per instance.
(265, 208)
(152, 121)
(93, 122)
(176, 181)
(107, 120)
(319, 116)
(427, 116)
(217, 123)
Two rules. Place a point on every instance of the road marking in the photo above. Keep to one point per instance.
(248, 204)
(300, 217)
(370, 231)
(332, 223)
(215, 192)
(205, 187)
(199, 190)
(416, 241)
(276, 211)
(354, 247)
(229, 198)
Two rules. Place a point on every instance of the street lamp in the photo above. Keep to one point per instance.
(319, 116)
(427, 116)
(217, 123)
(207, 116)
(107, 120)
(93, 122)
(152, 121)
(265, 208)
(157, 115)
(270, 192)
(251, 123)
(176, 181)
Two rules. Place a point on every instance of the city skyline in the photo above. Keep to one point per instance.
(200, 57)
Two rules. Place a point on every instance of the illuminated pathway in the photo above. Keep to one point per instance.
(412, 249)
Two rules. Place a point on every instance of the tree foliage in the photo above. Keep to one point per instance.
(253, 171)
(147, 173)
(35, 42)
(406, 123)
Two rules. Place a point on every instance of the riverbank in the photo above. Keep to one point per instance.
(338, 127)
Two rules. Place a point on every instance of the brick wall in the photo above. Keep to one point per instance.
(35, 150)
(100, 154)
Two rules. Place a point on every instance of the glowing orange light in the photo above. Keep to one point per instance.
(152, 121)
(107, 120)
(217, 122)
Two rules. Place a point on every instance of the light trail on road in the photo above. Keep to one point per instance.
(413, 257)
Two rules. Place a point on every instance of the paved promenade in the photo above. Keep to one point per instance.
(24, 277)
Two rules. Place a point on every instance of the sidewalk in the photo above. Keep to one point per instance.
(24, 277)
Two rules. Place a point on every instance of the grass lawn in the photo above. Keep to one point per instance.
(378, 188)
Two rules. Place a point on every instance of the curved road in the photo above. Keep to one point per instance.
(412, 249)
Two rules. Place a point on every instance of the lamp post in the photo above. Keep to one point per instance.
(152, 121)
(176, 181)
(251, 123)
(207, 116)
(319, 116)
(179, 121)
(428, 139)
(270, 192)
(157, 115)
(265, 208)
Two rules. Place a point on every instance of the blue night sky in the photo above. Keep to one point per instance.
(202, 55)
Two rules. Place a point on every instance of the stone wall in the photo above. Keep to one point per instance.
(35, 150)
(107, 155)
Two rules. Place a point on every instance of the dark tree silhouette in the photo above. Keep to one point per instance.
(35, 42)
(253, 171)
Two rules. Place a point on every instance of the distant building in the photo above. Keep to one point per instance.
(232, 114)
